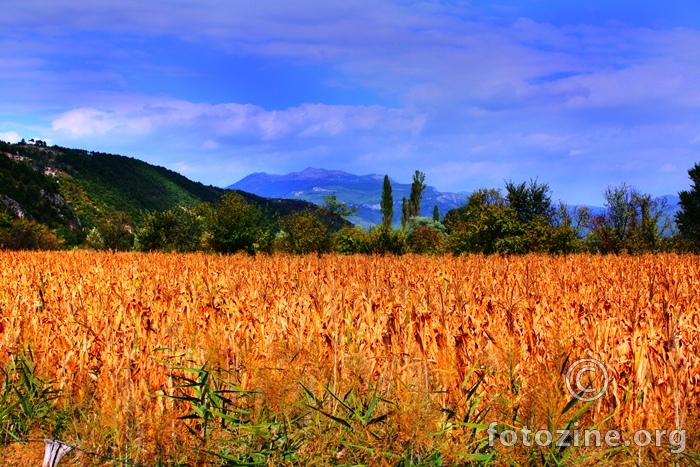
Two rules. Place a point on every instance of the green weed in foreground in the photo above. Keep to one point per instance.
(27, 401)
(360, 427)
(229, 422)
(363, 427)
(235, 427)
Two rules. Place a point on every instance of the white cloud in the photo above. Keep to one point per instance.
(305, 121)
(10, 137)
(90, 122)
(668, 168)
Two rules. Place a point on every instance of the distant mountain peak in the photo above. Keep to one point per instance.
(363, 191)
(311, 172)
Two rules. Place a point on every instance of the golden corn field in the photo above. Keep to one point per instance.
(353, 360)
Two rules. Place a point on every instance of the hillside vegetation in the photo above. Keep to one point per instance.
(98, 184)
(57, 197)
(26, 191)
(53, 196)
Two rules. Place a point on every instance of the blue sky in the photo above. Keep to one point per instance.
(579, 95)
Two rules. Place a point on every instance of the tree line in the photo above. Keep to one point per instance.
(520, 218)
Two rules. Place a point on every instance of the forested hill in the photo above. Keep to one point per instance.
(69, 191)
(28, 192)
(96, 185)
(131, 183)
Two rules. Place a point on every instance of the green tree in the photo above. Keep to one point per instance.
(94, 240)
(116, 231)
(405, 211)
(424, 235)
(533, 205)
(650, 224)
(26, 234)
(5, 220)
(688, 217)
(178, 229)
(436, 214)
(304, 233)
(568, 230)
(619, 219)
(486, 224)
(239, 226)
(351, 240)
(530, 200)
(632, 222)
(335, 207)
(387, 241)
(418, 221)
(417, 188)
(387, 204)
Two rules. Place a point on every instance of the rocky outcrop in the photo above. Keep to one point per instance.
(14, 207)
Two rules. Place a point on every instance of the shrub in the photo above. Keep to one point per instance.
(179, 229)
(25, 234)
(239, 226)
(304, 233)
(351, 240)
(425, 240)
(387, 241)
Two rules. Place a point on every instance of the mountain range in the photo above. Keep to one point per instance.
(361, 191)
(365, 192)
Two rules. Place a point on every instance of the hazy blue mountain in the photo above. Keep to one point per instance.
(363, 191)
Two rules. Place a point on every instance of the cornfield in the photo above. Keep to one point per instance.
(338, 360)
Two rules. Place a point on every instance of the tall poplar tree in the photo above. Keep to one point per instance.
(417, 188)
(387, 204)
(405, 211)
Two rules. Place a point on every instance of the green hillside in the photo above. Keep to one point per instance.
(98, 184)
(95, 185)
(70, 191)
(29, 193)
